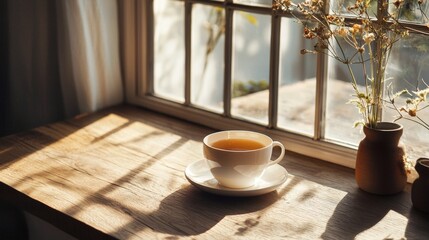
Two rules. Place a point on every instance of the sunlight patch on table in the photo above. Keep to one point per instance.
(379, 231)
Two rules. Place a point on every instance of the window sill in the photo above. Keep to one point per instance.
(119, 174)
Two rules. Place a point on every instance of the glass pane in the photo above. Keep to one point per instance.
(411, 11)
(169, 70)
(250, 78)
(340, 7)
(409, 69)
(297, 80)
(255, 2)
(340, 116)
(208, 39)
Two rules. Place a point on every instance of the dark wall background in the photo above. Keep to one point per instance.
(4, 94)
(30, 87)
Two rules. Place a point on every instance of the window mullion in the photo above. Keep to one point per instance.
(274, 71)
(321, 90)
(148, 87)
(382, 12)
(188, 44)
(229, 13)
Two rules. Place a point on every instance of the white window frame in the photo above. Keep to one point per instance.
(136, 72)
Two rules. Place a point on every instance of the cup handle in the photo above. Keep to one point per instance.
(282, 154)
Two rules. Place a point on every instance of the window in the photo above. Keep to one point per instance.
(237, 64)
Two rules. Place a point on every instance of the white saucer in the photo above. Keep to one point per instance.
(199, 175)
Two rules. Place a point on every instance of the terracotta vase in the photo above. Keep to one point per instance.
(380, 160)
(420, 188)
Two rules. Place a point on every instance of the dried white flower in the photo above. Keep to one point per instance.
(368, 37)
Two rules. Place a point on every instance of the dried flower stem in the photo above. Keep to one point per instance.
(372, 37)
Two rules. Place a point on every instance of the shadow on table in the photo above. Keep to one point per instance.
(418, 225)
(189, 211)
(359, 211)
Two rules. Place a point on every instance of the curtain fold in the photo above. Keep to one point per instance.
(61, 58)
(92, 34)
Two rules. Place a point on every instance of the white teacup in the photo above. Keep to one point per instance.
(234, 161)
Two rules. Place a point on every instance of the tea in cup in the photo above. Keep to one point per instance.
(238, 158)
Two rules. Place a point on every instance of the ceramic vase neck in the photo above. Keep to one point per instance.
(422, 167)
(385, 131)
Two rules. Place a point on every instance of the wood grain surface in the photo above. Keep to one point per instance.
(119, 174)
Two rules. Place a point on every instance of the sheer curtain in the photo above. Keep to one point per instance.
(90, 41)
(59, 58)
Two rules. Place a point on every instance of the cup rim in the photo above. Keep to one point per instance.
(239, 151)
(424, 162)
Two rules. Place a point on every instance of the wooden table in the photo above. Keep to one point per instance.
(119, 174)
